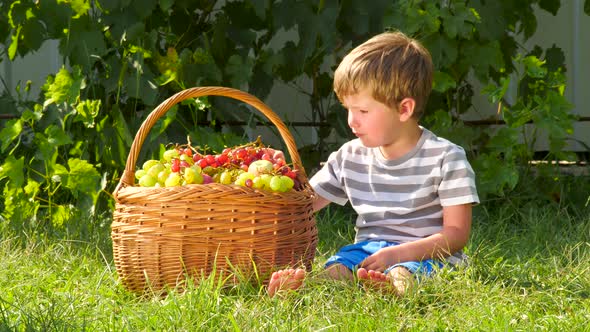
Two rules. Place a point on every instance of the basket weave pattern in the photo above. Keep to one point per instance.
(162, 235)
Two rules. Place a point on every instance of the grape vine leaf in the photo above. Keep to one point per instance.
(140, 83)
(555, 58)
(14, 37)
(83, 181)
(32, 34)
(534, 67)
(363, 17)
(86, 111)
(483, 57)
(11, 130)
(551, 6)
(443, 49)
(312, 27)
(80, 7)
(82, 177)
(48, 141)
(443, 81)
(110, 5)
(13, 169)
(84, 42)
(144, 8)
(239, 70)
(498, 176)
(65, 87)
(493, 21)
(496, 93)
(259, 7)
(459, 21)
(56, 17)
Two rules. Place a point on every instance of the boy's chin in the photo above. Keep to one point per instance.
(369, 144)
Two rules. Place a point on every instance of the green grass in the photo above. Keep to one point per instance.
(530, 271)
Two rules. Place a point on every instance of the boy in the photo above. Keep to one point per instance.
(412, 191)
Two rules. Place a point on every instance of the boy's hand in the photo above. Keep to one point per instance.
(380, 260)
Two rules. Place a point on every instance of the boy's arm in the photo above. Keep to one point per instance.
(319, 202)
(452, 238)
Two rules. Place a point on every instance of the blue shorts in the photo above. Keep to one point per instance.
(353, 254)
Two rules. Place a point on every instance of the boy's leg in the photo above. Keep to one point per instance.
(402, 280)
(337, 267)
(397, 281)
(338, 271)
(292, 279)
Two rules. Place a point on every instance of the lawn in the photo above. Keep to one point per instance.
(529, 271)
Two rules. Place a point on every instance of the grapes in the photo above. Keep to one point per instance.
(163, 175)
(193, 175)
(250, 165)
(156, 169)
(147, 181)
(140, 173)
(287, 183)
(168, 155)
(148, 164)
(225, 177)
(172, 180)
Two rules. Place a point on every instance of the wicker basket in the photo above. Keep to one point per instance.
(161, 236)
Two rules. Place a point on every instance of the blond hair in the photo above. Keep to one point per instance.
(392, 66)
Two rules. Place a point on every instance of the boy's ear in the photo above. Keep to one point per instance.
(406, 108)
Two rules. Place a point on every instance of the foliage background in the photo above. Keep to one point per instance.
(63, 151)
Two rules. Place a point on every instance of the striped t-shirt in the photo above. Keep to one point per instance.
(398, 200)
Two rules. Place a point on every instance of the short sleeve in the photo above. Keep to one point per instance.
(458, 179)
(327, 181)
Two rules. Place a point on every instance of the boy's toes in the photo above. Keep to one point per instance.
(282, 280)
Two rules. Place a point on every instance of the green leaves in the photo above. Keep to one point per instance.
(80, 177)
(443, 82)
(80, 7)
(64, 88)
(10, 132)
(48, 142)
(458, 20)
(13, 169)
(83, 181)
(83, 42)
(444, 50)
(497, 177)
(126, 56)
(27, 31)
(315, 26)
(239, 70)
(483, 57)
(534, 67)
(86, 112)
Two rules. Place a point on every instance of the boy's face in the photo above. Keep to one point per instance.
(373, 122)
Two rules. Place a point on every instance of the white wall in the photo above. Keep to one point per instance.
(34, 67)
(569, 30)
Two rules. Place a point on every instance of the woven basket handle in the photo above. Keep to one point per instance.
(128, 176)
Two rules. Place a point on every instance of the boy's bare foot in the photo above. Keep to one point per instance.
(283, 280)
(397, 281)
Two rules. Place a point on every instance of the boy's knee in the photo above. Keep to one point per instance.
(339, 272)
(400, 272)
(402, 280)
